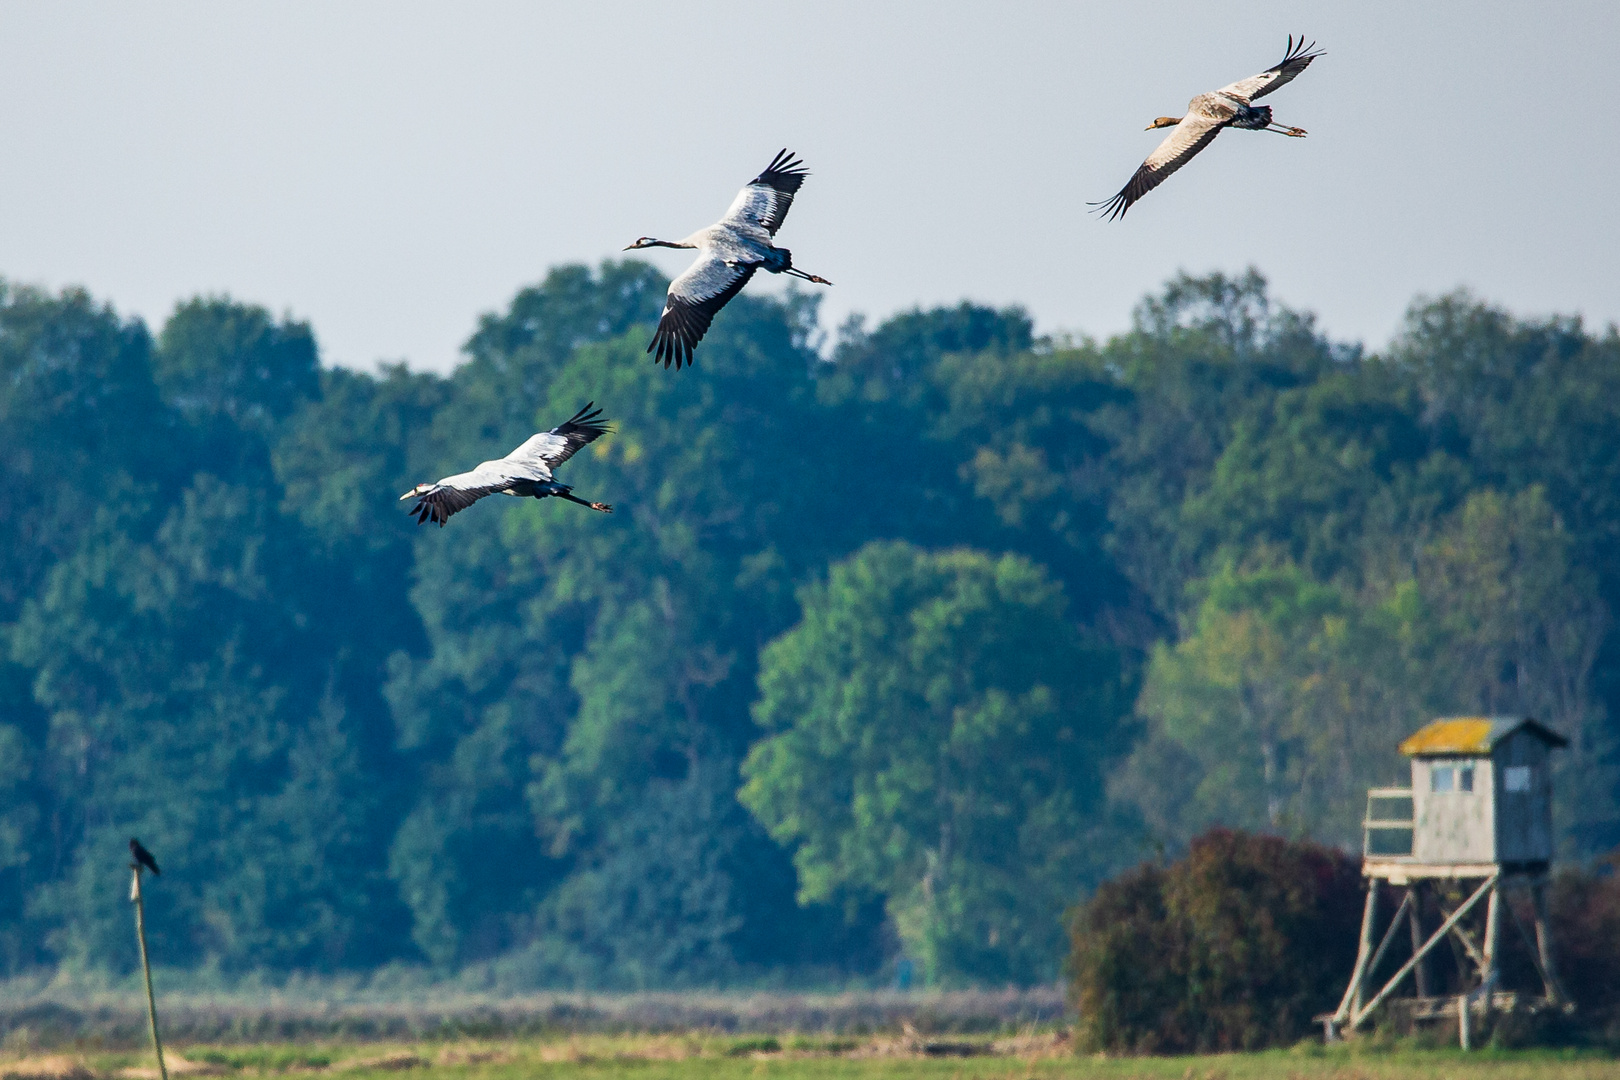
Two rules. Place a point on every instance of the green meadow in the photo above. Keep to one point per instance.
(684, 1056)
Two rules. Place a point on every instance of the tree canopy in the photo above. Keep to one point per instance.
(970, 618)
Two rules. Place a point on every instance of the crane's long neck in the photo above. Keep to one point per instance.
(670, 243)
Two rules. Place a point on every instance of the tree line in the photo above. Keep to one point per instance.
(894, 647)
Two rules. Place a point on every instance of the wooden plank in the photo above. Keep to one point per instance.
(1398, 871)
(1474, 952)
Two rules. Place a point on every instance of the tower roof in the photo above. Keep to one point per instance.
(1473, 735)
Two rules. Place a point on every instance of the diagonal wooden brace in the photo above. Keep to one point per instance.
(1365, 966)
(1438, 936)
(1474, 952)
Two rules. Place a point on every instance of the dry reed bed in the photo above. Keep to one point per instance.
(43, 1020)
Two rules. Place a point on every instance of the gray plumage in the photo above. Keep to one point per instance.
(731, 250)
(1206, 116)
(525, 473)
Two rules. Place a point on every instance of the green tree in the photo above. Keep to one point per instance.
(1285, 697)
(72, 376)
(1518, 622)
(218, 357)
(1204, 357)
(178, 710)
(937, 732)
(1282, 702)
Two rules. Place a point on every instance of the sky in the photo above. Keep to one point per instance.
(390, 171)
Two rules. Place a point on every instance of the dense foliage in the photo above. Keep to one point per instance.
(941, 726)
(972, 619)
(1236, 946)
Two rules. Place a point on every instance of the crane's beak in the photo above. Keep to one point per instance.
(411, 493)
(631, 247)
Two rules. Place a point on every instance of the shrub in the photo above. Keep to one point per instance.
(1234, 947)
(1586, 934)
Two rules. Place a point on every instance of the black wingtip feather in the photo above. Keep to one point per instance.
(784, 173)
(1298, 50)
(586, 419)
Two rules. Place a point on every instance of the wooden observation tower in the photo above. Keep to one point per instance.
(1476, 823)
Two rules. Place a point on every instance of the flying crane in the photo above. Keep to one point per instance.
(731, 250)
(523, 473)
(1230, 106)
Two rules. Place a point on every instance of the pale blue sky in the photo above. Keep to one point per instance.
(391, 170)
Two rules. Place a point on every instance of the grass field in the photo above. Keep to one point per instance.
(332, 1031)
(1033, 1056)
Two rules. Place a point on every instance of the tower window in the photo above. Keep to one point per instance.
(1516, 778)
(1443, 778)
(1465, 778)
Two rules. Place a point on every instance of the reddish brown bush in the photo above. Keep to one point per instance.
(1234, 947)
(1586, 930)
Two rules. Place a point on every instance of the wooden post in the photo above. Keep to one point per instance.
(1544, 947)
(1364, 952)
(146, 968)
(1491, 947)
(1358, 975)
(1414, 921)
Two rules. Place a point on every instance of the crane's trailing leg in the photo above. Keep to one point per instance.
(571, 497)
(796, 272)
(1284, 129)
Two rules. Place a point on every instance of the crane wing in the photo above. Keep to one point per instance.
(1190, 136)
(766, 199)
(694, 297)
(1295, 59)
(456, 493)
(552, 448)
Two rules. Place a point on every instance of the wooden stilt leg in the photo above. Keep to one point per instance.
(1351, 1002)
(1369, 918)
(1420, 971)
(1544, 946)
(1491, 949)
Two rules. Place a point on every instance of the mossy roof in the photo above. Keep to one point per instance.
(1473, 735)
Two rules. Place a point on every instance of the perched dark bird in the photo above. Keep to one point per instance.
(1207, 114)
(732, 249)
(143, 857)
(524, 472)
